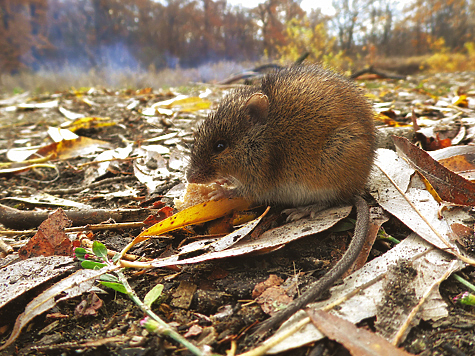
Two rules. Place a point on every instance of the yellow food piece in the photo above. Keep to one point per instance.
(195, 194)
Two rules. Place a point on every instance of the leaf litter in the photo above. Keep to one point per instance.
(168, 125)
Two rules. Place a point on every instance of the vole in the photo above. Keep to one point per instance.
(303, 136)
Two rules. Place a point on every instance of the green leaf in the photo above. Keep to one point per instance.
(99, 250)
(88, 264)
(109, 278)
(116, 257)
(153, 295)
(80, 253)
(115, 286)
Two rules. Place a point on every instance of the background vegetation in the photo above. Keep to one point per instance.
(143, 37)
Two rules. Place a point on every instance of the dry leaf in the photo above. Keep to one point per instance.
(450, 186)
(89, 123)
(431, 264)
(67, 149)
(183, 295)
(358, 341)
(72, 286)
(268, 241)
(88, 306)
(50, 239)
(388, 195)
(160, 215)
(272, 281)
(18, 278)
(273, 299)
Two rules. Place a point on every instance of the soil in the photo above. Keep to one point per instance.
(222, 301)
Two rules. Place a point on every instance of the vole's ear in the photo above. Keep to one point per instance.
(257, 107)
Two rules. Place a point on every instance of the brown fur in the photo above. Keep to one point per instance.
(307, 138)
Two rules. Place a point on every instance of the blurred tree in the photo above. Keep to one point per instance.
(241, 39)
(348, 20)
(23, 33)
(88, 34)
(302, 38)
(272, 16)
(381, 16)
(433, 19)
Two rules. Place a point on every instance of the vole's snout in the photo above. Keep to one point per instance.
(198, 175)
(190, 177)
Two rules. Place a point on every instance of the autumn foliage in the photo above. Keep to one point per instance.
(150, 35)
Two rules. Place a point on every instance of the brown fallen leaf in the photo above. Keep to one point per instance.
(71, 148)
(272, 281)
(193, 331)
(357, 341)
(160, 215)
(183, 295)
(88, 306)
(449, 186)
(433, 143)
(21, 277)
(273, 299)
(459, 163)
(464, 235)
(50, 239)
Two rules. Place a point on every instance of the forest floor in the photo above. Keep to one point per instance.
(143, 151)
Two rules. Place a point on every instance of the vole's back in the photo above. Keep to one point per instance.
(304, 135)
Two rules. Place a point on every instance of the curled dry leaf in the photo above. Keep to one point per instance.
(88, 306)
(50, 239)
(450, 186)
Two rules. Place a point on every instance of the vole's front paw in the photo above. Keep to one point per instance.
(294, 214)
(220, 192)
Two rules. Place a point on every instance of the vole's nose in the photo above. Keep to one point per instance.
(189, 177)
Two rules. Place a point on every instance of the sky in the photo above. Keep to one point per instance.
(306, 5)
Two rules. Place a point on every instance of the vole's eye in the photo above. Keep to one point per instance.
(220, 146)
